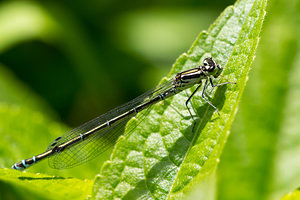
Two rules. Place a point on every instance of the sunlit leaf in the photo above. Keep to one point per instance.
(164, 158)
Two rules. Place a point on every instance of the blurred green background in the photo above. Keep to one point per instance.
(66, 62)
(84, 58)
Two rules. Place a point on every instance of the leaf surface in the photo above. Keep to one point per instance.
(38, 186)
(166, 155)
(292, 196)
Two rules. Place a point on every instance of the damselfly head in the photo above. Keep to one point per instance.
(212, 67)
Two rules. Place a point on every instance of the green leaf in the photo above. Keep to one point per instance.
(37, 186)
(164, 157)
(261, 158)
(292, 196)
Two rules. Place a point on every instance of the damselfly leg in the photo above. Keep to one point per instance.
(203, 94)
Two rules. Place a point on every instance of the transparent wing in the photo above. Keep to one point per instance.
(101, 140)
(87, 149)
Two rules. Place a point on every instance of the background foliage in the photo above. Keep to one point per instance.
(58, 63)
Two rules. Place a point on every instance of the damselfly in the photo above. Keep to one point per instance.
(94, 137)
